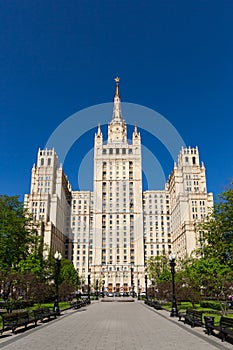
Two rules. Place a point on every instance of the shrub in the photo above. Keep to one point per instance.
(210, 305)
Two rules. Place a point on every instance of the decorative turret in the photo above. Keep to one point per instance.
(136, 139)
(99, 136)
(188, 157)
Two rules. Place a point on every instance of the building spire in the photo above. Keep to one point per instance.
(117, 131)
(117, 116)
(117, 79)
(99, 130)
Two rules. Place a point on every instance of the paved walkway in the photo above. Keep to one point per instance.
(115, 326)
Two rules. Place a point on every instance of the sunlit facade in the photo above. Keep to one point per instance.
(111, 232)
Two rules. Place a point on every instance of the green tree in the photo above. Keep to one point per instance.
(217, 236)
(215, 278)
(68, 279)
(205, 277)
(158, 269)
(68, 273)
(17, 235)
(188, 284)
(35, 264)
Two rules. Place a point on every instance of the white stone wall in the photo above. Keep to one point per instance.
(157, 223)
(82, 245)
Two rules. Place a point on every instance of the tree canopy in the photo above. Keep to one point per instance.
(217, 238)
(23, 269)
(17, 236)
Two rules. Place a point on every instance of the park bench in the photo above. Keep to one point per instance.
(38, 315)
(2, 304)
(8, 322)
(77, 304)
(154, 303)
(47, 313)
(22, 319)
(86, 298)
(225, 327)
(11, 321)
(192, 317)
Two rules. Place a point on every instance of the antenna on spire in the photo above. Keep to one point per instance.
(117, 79)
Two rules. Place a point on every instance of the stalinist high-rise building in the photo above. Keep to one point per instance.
(117, 203)
(111, 232)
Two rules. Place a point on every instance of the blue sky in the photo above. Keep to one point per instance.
(59, 57)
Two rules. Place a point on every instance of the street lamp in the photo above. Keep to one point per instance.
(57, 257)
(132, 281)
(103, 283)
(89, 287)
(174, 311)
(97, 289)
(152, 288)
(146, 286)
(138, 289)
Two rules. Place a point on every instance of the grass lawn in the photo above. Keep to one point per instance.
(62, 304)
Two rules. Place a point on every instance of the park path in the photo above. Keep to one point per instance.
(115, 326)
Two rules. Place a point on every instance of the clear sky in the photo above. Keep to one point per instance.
(59, 57)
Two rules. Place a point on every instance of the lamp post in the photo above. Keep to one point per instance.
(152, 288)
(57, 257)
(138, 289)
(103, 283)
(132, 281)
(174, 311)
(89, 287)
(97, 289)
(146, 286)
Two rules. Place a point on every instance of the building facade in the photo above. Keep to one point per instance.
(50, 201)
(190, 202)
(111, 232)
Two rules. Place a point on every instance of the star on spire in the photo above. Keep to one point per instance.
(117, 79)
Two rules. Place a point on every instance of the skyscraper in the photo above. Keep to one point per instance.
(117, 207)
(111, 232)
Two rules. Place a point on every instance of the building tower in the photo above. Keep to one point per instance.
(118, 258)
(49, 201)
(190, 202)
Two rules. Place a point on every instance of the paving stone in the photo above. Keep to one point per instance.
(115, 326)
